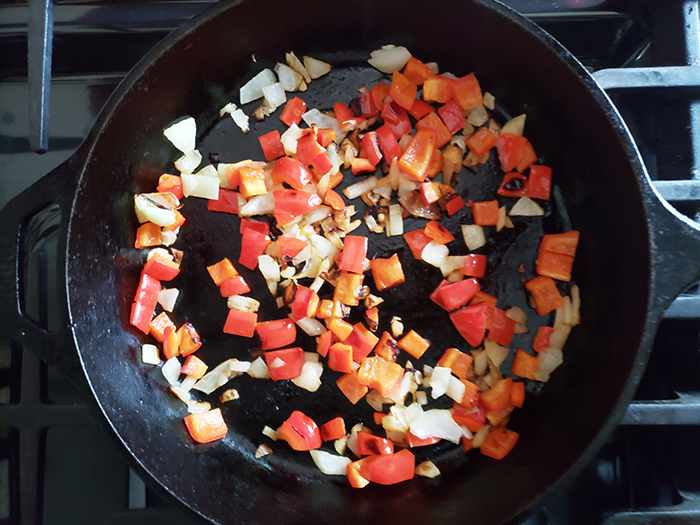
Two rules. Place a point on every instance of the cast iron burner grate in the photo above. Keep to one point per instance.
(58, 466)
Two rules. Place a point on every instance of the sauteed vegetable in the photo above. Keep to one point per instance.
(405, 140)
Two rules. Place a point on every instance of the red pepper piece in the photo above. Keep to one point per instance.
(539, 184)
(285, 364)
(402, 90)
(416, 71)
(481, 141)
(354, 254)
(301, 432)
(467, 92)
(388, 144)
(416, 159)
(206, 426)
(145, 302)
(271, 144)
(253, 244)
(240, 323)
(453, 118)
(370, 145)
(455, 295)
(234, 286)
(170, 184)
(470, 322)
(434, 123)
(161, 268)
(502, 327)
(499, 443)
(292, 171)
(226, 203)
(514, 185)
(371, 445)
(293, 111)
(276, 334)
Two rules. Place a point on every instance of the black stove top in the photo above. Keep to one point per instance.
(57, 465)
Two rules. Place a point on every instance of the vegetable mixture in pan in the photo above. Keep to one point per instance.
(403, 142)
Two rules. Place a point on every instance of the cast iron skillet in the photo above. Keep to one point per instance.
(628, 264)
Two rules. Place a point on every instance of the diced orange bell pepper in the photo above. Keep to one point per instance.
(467, 92)
(485, 213)
(341, 329)
(498, 395)
(222, 271)
(189, 339)
(158, 325)
(348, 288)
(563, 243)
(252, 181)
(545, 293)
(402, 90)
(206, 426)
(416, 159)
(333, 429)
(414, 344)
(434, 123)
(148, 234)
(437, 89)
(481, 141)
(517, 394)
(380, 374)
(438, 233)
(387, 272)
(416, 71)
(459, 362)
(525, 365)
(194, 367)
(350, 385)
(323, 343)
(387, 347)
(340, 357)
(555, 265)
(499, 443)
(171, 342)
(362, 341)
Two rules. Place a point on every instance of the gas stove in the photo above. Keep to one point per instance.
(57, 464)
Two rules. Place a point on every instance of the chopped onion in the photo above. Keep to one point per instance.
(501, 218)
(480, 362)
(152, 207)
(389, 59)
(576, 303)
(340, 444)
(436, 423)
(324, 121)
(394, 224)
(526, 207)
(229, 395)
(202, 186)
(270, 271)
(274, 96)
(171, 370)
(316, 68)
(187, 383)
(480, 436)
(182, 134)
(243, 303)
(289, 139)
(558, 338)
(383, 190)
(473, 236)
(297, 66)
(258, 369)
(549, 360)
(262, 451)
(168, 238)
(406, 187)
(316, 215)
(324, 247)
(253, 89)
(495, 352)
(221, 375)
(330, 464)
(515, 126)
(167, 298)
(270, 432)
(239, 117)
(189, 161)
(258, 205)
(198, 407)
(427, 469)
(489, 101)
(421, 397)
(311, 326)
(406, 385)
(452, 264)
(289, 79)
(355, 190)
(310, 377)
(149, 355)
(440, 381)
(396, 326)
(456, 389)
(435, 254)
(478, 116)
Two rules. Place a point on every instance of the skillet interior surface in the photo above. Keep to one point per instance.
(598, 191)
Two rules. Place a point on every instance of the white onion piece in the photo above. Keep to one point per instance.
(171, 370)
(312, 357)
(189, 161)
(316, 215)
(311, 326)
(395, 221)
(427, 469)
(182, 134)
(258, 369)
(473, 236)
(198, 407)
(310, 377)
(289, 79)
(481, 362)
(389, 58)
(576, 303)
(495, 352)
(515, 126)
(436, 423)
(355, 190)
(253, 89)
(435, 254)
(324, 247)
(452, 264)
(243, 303)
(258, 205)
(149, 208)
(557, 339)
(501, 218)
(208, 171)
(270, 432)
(421, 397)
(149, 355)
(456, 389)
(187, 383)
(316, 68)
(330, 464)
(239, 117)
(549, 360)
(289, 139)
(340, 444)
(297, 66)
(406, 385)
(406, 186)
(460, 140)
(440, 381)
(167, 298)
(274, 96)
(221, 375)
(383, 190)
(270, 271)
(323, 121)
(526, 207)
(478, 116)
(332, 151)
(168, 238)
(352, 437)
(489, 101)
(200, 186)
(481, 435)
(182, 395)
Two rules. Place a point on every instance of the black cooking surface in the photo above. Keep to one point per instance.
(57, 465)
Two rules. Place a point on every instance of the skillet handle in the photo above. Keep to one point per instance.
(675, 253)
(55, 348)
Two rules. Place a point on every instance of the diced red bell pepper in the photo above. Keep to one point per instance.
(285, 363)
(293, 111)
(148, 234)
(305, 303)
(340, 357)
(189, 339)
(416, 71)
(354, 253)
(436, 297)
(455, 295)
(362, 341)
(158, 325)
(539, 184)
(396, 118)
(416, 240)
(525, 365)
(387, 272)
(481, 141)
(161, 268)
(527, 158)
(194, 367)
(437, 89)
(438, 232)
(241, 323)
(308, 148)
(485, 213)
(453, 118)
(502, 327)
(453, 203)
(545, 293)
(145, 302)
(555, 265)
(323, 343)
(346, 120)
(416, 159)
(371, 445)
(322, 163)
(300, 432)
(498, 396)
(292, 172)
(388, 144)
(470, 322)
(334, 200)
(170, 184)
(351, 387)
(467, 92)
(517, 394)
(363, 105)
(499, 443)
(515, 152)
(226, 203)
(325, 137)
(402, 90)
(234, 286)
(294, 203)
(514, 185)
(380, 92)
(333, 429)
(389, 469)
(461, 366)
(433, 123)
(564, 243)
(206, 427)
(541, 341)
(436, 164)
(380, 374)
(370, 145)
(276, 334)
(271, 144)
(253, 244)
(259, 226)
(372, 318)
(414, 344)
(428, 190)
(387, 347)
(474, 265)
(420, 109)
(472, 417)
